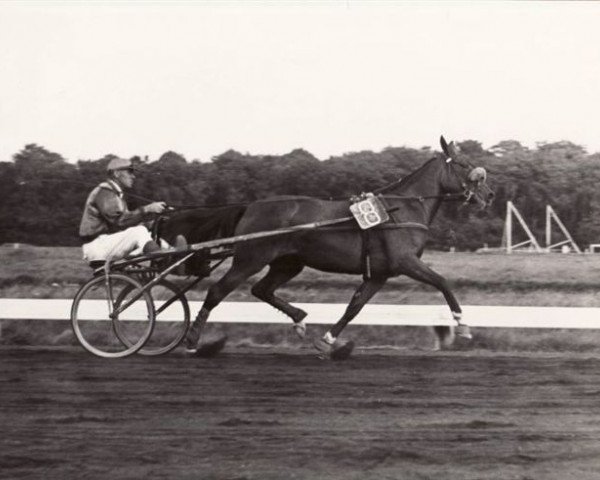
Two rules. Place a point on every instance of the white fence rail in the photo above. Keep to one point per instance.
(327, 313)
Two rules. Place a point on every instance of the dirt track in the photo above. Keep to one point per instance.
(265, 415)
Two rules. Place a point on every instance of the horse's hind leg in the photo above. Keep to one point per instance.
(444, 336)
(363, 294)
(238, 272)
(417, 270)
(281, 271)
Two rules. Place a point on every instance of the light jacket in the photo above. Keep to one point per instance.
(106, 212)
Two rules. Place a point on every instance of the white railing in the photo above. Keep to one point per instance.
(328, 313)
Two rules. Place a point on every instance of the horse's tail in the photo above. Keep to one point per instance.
(199, 224)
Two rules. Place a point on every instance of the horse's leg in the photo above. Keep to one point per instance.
(444, 336)
(238, 272)
(363, 294)
(281, 271)
(417, 270)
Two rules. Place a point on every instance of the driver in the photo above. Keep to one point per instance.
(109, 230)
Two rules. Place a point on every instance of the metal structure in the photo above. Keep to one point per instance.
(550, 216)
(507, 236)
(531, 243)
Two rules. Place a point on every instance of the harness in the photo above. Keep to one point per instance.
(379, 211)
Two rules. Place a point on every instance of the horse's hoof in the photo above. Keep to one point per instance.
(342, 352)
(334, 352)
(464, 331)
(300, 329)
(324, 349)
(192, 337)
(209, 349)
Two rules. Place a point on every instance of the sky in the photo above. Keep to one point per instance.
(200, 78)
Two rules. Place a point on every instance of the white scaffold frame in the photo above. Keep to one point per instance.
(551, 215)
(531, 243)
(511, 211)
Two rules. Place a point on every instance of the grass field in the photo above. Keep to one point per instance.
(476, 279)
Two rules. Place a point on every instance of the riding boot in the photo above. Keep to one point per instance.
(151, 247)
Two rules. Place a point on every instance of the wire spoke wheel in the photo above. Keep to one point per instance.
(95, 322)
(172, 314)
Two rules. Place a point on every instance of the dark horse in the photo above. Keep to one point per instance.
(394, 247)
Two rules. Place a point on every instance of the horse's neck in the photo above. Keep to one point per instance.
(428, 186)
(425, 184)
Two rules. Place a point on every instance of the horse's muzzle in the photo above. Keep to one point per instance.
(484, 196)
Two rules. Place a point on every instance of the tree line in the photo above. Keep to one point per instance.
(42, 195)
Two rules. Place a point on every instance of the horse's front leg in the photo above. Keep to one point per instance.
(363, 294)
(414, 268)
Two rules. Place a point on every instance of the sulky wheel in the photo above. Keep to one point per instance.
(172, 314)
(95, 325)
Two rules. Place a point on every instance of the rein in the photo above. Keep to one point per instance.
(172, 206)
(446, 196)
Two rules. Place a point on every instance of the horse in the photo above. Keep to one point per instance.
(394, 247)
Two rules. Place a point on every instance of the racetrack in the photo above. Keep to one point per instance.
(277, 414)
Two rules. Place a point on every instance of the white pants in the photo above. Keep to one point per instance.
(114, 246)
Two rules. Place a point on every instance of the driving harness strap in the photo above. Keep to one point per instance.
(365, 235)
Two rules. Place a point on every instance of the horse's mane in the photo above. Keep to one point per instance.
(412, 176)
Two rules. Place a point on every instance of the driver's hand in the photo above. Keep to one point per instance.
(156, 207)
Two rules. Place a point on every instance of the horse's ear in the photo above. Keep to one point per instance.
(444, 146)
(453, 151)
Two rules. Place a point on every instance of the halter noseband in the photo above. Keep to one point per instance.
(467, 193)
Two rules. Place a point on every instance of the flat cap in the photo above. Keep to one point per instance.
(119, 164)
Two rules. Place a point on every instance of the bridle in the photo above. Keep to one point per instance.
(466, 195)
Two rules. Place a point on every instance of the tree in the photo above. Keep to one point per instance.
(43, 195)
(471, 148)
(42, 208)
(172, 158)
(510, 148)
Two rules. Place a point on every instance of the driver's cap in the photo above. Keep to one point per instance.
(119, 164)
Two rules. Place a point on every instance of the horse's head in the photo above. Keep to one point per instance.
(469, 179)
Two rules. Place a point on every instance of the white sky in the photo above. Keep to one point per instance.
(265, 78)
